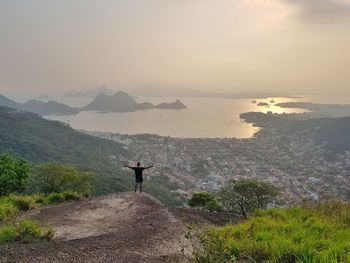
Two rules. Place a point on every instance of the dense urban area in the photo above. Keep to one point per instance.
(291, 161)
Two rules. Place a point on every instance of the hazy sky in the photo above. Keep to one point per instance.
(294, 46)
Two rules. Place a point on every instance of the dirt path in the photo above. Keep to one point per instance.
(123, 227)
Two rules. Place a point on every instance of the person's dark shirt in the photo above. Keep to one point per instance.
(138, 173)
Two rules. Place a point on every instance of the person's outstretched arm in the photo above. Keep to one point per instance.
(147, 167)
(127, 166)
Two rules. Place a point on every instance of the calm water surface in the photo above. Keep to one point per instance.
(204, 117)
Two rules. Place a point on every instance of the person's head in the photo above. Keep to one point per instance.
(138, 164)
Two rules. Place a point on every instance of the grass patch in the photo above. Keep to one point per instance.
(23, 202)
(55, 198)
(307, 234)
(11, 205)
(7, 210)
(25, 231)
(71, 196)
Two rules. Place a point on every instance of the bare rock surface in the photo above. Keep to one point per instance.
(122, 227)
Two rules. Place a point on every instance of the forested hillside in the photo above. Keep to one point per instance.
(332, 133)
(335, 134)
(40, 107)
(39, 140)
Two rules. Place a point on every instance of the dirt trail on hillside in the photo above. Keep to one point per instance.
(123, 227)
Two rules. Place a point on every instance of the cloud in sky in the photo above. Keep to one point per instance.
(321, 11)
(227, 45)
(315, 11)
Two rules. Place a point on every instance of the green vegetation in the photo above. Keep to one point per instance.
(336, 134)
(27, 231)
(162, 194)
(164, 180)
(241, 197)
(42, 141)
(13, 174)
(24, 232)
(12, 204)
(55, 198)
(110, 181)
(205, 201)
(246, 196)
(318, 234)
(7, 210)
(22, 203)
(49, 184)
(39, 140)
(56, 178)
(70, 196)
(53, 183)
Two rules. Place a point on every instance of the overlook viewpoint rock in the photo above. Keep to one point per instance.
(122, 227)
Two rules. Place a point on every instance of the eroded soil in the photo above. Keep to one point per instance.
(122, 227)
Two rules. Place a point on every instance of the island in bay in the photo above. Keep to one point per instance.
(119, 102)
(123, 102)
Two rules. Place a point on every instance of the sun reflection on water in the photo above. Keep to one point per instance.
(274, 108)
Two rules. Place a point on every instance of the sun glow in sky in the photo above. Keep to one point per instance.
(291, 46)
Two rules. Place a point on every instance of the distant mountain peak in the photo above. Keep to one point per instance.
(92, 92)
(101, 95)
(177, 105)
(8, 102)
(119, 93)
(123, 102)
(119, 102)
(39, 107)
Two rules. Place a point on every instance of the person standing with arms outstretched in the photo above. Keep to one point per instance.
(138, 174)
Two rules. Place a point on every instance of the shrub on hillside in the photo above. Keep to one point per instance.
(336, 209)
(11, 205)
(39, 199)
(246, 196)
(205, 201)
(23, 203)
(13, 174)
(213, 206)
(55, 198)
(56, 178)
(24, 232)
(71, 196)
(317, 234)
(7, 210)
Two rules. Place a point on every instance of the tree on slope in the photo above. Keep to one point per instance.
(246, 196)
(205, 201)
(13, 174)
(55, 178)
